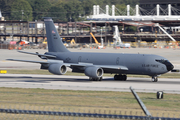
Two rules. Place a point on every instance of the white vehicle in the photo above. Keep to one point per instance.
(123, 45)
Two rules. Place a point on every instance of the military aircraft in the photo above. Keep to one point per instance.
(94, 65)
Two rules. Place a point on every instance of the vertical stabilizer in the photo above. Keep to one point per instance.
(54, 41)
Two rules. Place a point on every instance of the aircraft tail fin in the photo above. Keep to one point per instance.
(54, 40)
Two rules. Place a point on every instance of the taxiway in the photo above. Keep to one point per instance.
(167, 85)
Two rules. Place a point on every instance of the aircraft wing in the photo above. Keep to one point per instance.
(41, 62)
(80, 64)
(107, 67)
(112, 67)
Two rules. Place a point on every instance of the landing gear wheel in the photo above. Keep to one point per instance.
(115, 77)
(120, 77)
(124, 77)
(154, 79)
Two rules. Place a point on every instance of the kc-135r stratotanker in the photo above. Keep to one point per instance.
(94, 65)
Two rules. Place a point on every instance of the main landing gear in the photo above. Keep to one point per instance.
(154, 79)
(95, 79)
(120, 77)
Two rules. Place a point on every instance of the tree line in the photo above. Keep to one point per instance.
(59, 10)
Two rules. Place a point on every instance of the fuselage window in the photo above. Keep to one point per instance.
(162, 61)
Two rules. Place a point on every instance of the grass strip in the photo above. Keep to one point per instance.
(45, 72)
(109, 102)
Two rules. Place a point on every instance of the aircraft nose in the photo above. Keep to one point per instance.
(169, 66)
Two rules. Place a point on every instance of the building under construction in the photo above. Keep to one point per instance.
(80, 31)
(132, 28)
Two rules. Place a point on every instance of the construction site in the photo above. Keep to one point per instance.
(102, 29)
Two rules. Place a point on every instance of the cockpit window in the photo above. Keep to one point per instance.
(162, 61)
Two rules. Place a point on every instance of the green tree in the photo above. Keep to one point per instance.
(74, 9)
(55, 2)
(21, 9)
(58, 13)
(87, 6)
(40, 8)
(5, 6)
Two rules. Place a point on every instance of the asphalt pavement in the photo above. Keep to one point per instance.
(168, 85)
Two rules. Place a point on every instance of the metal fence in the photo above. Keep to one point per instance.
(31, 105)
(72, 115)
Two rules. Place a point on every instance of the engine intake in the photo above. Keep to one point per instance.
(94, 72)
(58, 69)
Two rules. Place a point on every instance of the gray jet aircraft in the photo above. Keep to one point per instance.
(94, 65)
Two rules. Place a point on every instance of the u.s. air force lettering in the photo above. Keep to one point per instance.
(149, 65)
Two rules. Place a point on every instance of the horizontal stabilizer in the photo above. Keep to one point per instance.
(40, 55)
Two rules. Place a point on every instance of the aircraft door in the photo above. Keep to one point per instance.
(79, 59)
(117, 61)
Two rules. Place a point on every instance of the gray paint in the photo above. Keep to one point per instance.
(143, 64)
(134, 62)
(55, 43)
(118, 63)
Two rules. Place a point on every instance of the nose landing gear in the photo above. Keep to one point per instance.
(120, 77)
(154, 79)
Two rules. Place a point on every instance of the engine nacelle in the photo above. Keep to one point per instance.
(94, 72)
(57, 68)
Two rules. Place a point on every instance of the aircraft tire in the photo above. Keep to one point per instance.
(116, 77)
(154, 79)
(120, 77)
(124, 77)
(100, 79)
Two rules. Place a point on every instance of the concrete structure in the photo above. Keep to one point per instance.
(80, 31)
(151, 4)
(159, 12)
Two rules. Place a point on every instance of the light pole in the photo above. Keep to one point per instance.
(101, 38)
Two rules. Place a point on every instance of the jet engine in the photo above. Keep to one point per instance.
(58, 69)
(94, 72)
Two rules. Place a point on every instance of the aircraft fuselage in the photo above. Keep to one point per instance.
(142, 64)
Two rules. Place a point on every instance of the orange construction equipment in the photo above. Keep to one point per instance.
(22, 43)
(94, 38)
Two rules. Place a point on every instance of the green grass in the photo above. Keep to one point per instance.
(45, 72)
(88, 101)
